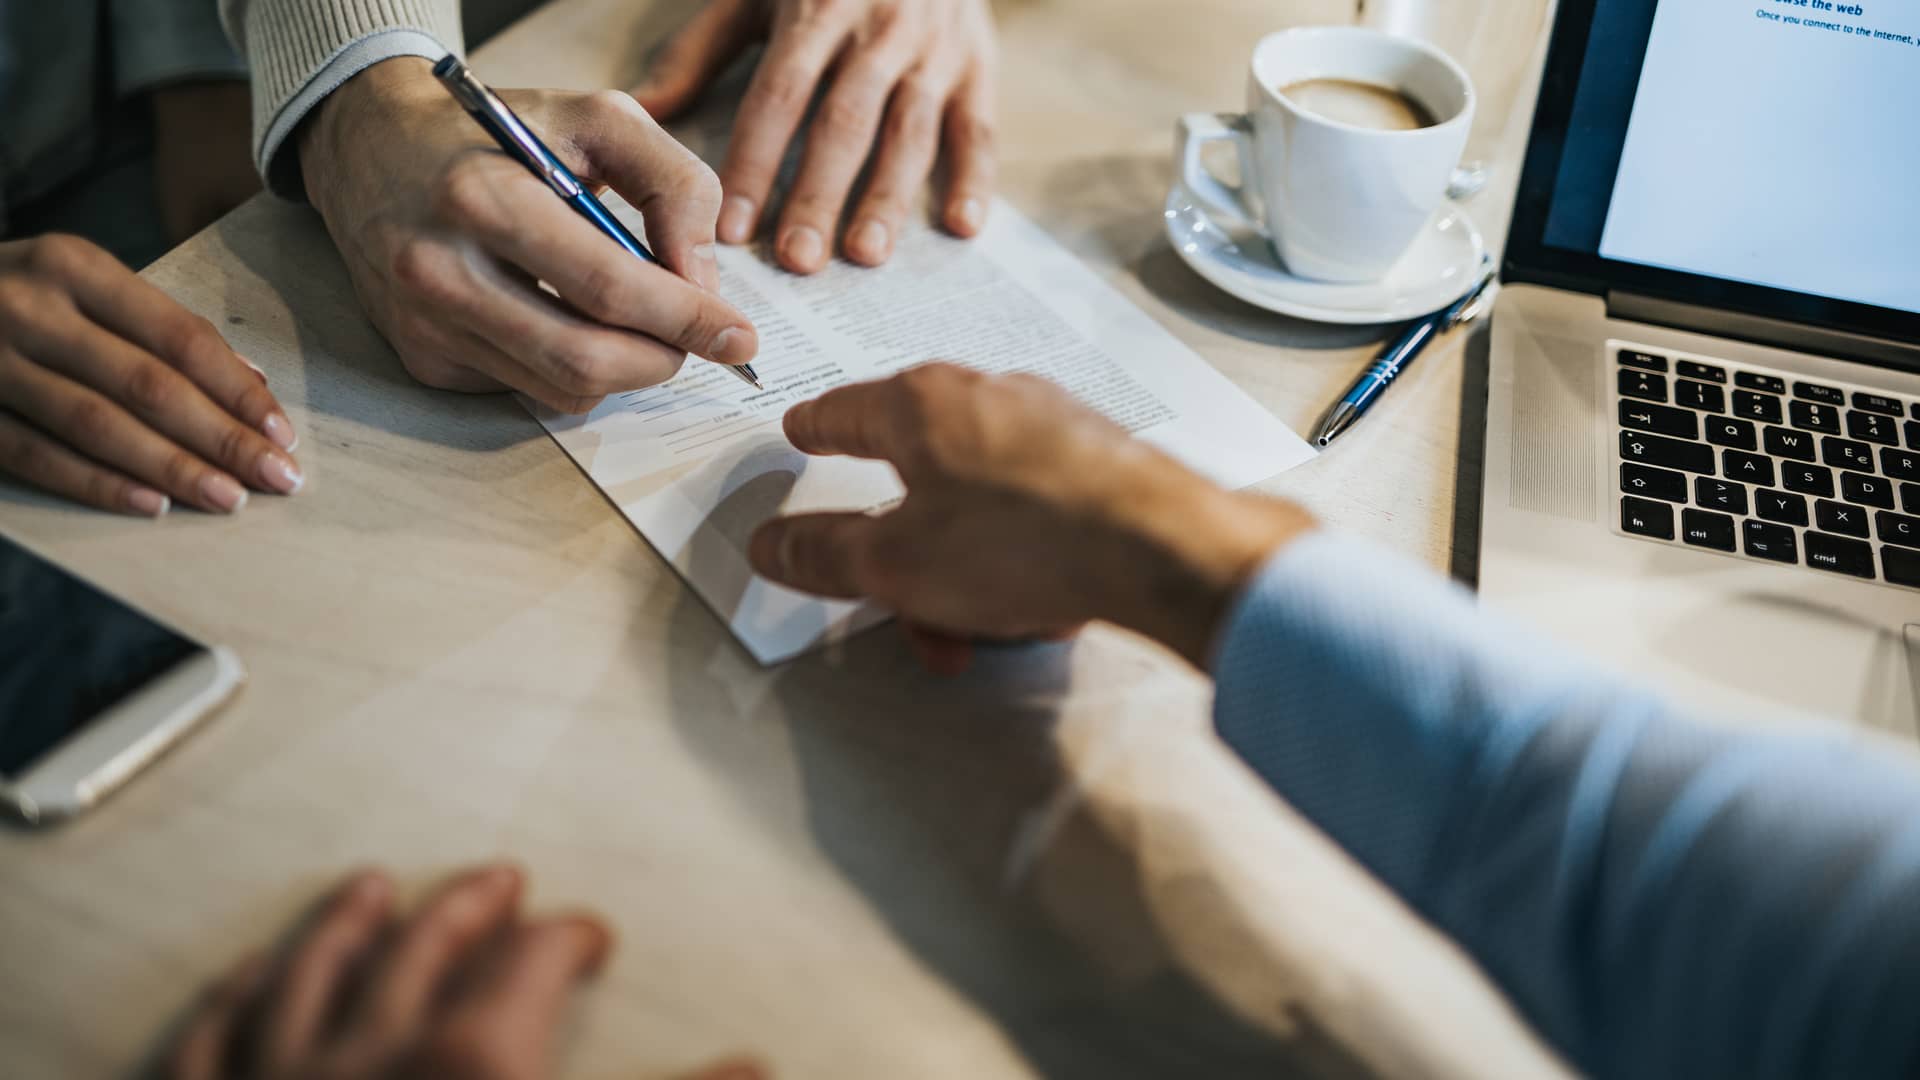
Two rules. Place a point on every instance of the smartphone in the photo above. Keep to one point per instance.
(91, 690)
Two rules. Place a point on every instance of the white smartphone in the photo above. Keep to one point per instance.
(91, 690)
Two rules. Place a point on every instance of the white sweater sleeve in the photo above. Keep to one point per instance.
(299, 51)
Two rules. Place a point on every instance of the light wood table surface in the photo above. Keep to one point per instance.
(459, 650)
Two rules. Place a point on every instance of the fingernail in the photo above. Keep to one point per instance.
(706, 267)
(800, 248)
(281, 474)
(223, 492)
(736, 219)
(255, 367)
(971, 213)
(731, 346)
(869, 241)
(148, 502)
(280, 430)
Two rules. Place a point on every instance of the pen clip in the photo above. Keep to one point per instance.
(513, 136)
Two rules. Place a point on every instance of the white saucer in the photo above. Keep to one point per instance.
(1440, 267)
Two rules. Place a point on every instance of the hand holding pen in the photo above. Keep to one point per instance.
(449, 241)
(521, 144)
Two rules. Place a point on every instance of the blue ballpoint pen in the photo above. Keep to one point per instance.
(524, 146)
(1394, 359)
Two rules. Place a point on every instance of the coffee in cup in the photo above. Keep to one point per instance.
(1350, 138)
(1361, 104)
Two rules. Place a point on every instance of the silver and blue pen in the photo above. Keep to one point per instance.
(1395, 357)
(524, 146)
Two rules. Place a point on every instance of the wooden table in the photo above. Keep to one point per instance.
(458, 650)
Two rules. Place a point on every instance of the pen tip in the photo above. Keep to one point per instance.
(751, 376)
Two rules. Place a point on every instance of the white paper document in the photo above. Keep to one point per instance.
(698, 463)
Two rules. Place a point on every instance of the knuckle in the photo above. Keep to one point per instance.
(101, 488)
(465, 194)
(180, 470)
(59, 256)
(88, 421)
(784, 88)
(423, 268)
(613, 105)
(184, 337)
(699, 327)
(847, 112)
(21, 302)
(602, 292)
(21, 455)
(913, 116)
(235, 444)
(151, 389)
(580, 366)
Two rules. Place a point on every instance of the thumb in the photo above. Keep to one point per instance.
(701, 50)
(823, 554)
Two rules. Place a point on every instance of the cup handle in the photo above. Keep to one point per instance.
(1196, 130)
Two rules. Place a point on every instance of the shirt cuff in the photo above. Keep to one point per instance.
(279, 162)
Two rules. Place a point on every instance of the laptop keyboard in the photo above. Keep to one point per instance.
(1766, 465)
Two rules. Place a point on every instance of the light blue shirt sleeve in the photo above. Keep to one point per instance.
(1662, 898)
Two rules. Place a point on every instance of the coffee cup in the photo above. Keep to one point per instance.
(1346, 149)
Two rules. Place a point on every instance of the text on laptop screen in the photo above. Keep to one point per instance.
(1761, 141)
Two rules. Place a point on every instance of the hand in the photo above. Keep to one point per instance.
(901, 74)
(1026, 514)
(447, 240)
(116, 396)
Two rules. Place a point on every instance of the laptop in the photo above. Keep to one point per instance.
(1703, 415)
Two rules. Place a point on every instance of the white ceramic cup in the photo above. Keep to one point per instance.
(1339, 202)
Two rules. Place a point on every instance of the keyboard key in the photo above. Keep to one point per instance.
(1902, 567)
(1752, 468)
(1840, 518)
(1670, 453)
(1815, 392)
(1846, 454)
(1653, 483)
(1720, 495)
(1704, 529)
(1728, 431)
(1698, 395)
(1764, 541)
(1873, 427)
(1866, 490)
(1689, 369)
(1751, 381)
(1643, 385)
(1910, 498)
(1660, 419)
(1644, 360)
(1878, 403)
(1898, 528)
(1900, 464)
(1787, 443)
(1780, 506)
(1645, 518)
(1808, 479)
(1913, 432)
(1804, 414)
(1757, 406)
(1840, 555)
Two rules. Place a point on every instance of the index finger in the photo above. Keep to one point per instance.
(862, 420)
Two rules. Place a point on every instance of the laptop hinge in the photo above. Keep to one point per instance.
(1762, 330)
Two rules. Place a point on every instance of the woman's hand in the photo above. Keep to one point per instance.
(114, 395)
(901, 77)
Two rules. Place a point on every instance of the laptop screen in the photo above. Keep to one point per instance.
(1719, 145)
